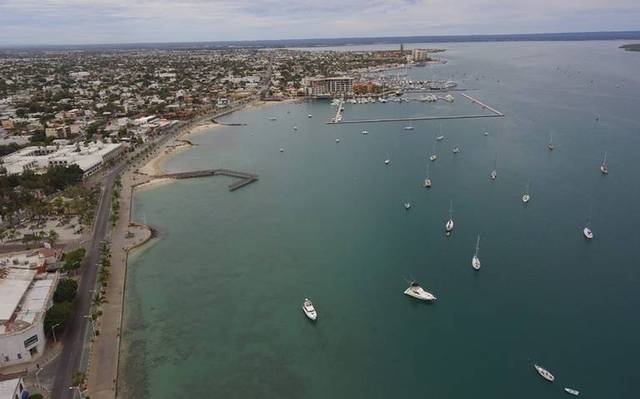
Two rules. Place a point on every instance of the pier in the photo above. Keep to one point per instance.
(243, 177)
(227, 124)
(494, 114)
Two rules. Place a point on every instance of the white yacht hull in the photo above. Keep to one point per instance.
(422, 295)
(475, 263)
(526, 198)
(587, 233)
(571, 391)
(544, 373)
(449, 226)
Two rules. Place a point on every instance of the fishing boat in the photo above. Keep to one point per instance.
(526, 197)
(427, 181)
(550, 145)
(416, 291)
(407, 205)
(449, 225)
(572, 391)
(603, 166)
(544, 373)
(309, 310)
(475, 261)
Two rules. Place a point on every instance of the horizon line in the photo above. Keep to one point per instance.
(323, 42)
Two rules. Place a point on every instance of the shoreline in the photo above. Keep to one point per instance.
(106, 351)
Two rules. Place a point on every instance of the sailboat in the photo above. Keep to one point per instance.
(550, 146)
(494, 171)
(427, 181)
(588, 234)
(449, 225)
(441, 137)
(526, 197)
(603, 166)
(475, 261)
(433, 156)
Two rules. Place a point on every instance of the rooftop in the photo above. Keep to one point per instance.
(8, 388)
(13, 286)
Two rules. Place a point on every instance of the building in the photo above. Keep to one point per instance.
(41, 260)
(418, 54)
(330, 87)
(24, 299)
(89, 157)
(13, 389)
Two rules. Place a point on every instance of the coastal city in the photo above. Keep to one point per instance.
(71, 124)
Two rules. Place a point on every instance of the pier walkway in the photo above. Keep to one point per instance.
(243, 177)
(494, 114)
(227, 124)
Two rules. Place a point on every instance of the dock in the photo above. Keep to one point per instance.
(244, 178)
(494, 114)
(227, 124)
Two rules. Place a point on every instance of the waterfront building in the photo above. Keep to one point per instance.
(330, 87)
(13, 389)
(89, 157)
(24, 299)
(418, 54)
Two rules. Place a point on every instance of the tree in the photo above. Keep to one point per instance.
(57, 316)
(52, 237)
(73, 259)
(65, 291)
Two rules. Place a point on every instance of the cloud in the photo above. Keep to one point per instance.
(100, 21)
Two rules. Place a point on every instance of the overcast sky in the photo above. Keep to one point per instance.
(126, 21)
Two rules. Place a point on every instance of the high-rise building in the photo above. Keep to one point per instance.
(330, 87)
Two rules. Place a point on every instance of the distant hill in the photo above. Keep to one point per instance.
(631, 47)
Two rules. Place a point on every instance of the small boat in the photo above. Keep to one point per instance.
(407, 205)
(273, 118)
(544, 373)
(587, 233)
(526, 197)
(382, 100)
(295, 128)
(456, 150)
(550, 145)
(427, 181)
(603, 166)
(439, 138)
(486, 133)
(387, 161)
(572, 391)
(281, 149)
(309, 310)
(414, 290)
(494, 171)
(448, 98)
(337, 140)
(365, 132)
(449, 225)
(475, 261)
(433, 157)
(409, 128)
(309, 116)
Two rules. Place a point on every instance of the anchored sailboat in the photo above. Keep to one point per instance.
(449, 225)
(550, 145)
(603, 166)
(427, 181)
(494, 171)
(526, 197)
(475, 261)
(433, 156)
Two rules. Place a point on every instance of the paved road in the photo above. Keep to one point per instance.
(73, 337)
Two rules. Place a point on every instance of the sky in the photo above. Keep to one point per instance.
(32, 22)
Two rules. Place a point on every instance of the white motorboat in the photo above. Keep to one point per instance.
(365, 132)
(281, 149)
(439, 138)
(295, 128)
(309, 310)
(433, 157)
(550, 145)
(387, 161)
(572, 391)
(486, 133)
(456, 150)
(544, 373)
(414, 290)
(427, 182)
(273, 118)
(587, 233)
(449, 225)
(408, 128)
(407, 205)
(337, 140)
(382, 100)
(475, 261)
(494, 171)
(603, 166)
(309, 116)
(448, 98)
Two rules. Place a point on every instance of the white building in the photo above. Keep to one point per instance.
(330, 87)
(13, 389)
(24, 299)
(418, 54)
(89, 157)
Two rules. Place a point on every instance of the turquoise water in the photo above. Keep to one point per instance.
(214, 303)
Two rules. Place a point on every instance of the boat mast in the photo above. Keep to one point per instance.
(604, 160)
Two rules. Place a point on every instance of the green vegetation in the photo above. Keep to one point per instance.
(65, 291)
(73, 260)
(57, 315)
(35, 396)
(9, 148)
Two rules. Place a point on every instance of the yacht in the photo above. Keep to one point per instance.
(365, 132)
(449, 225)
(475, 261)
(448, 98)
(587, 233)
(572, 391)
(544, 373)
(550, 145)
(309, 116)
(309, 310)
(281, 149)
(273, 118)
(414, 290)
(337, 140)
(382, 100)
(486, 133)
(295, 128)
(440, 138)
(408, 128)
(427, 181)
(526, 197)
(407, 205)
(456, 150)
(434, 156)
(603, 166)
(494, 171)
(387, 161)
